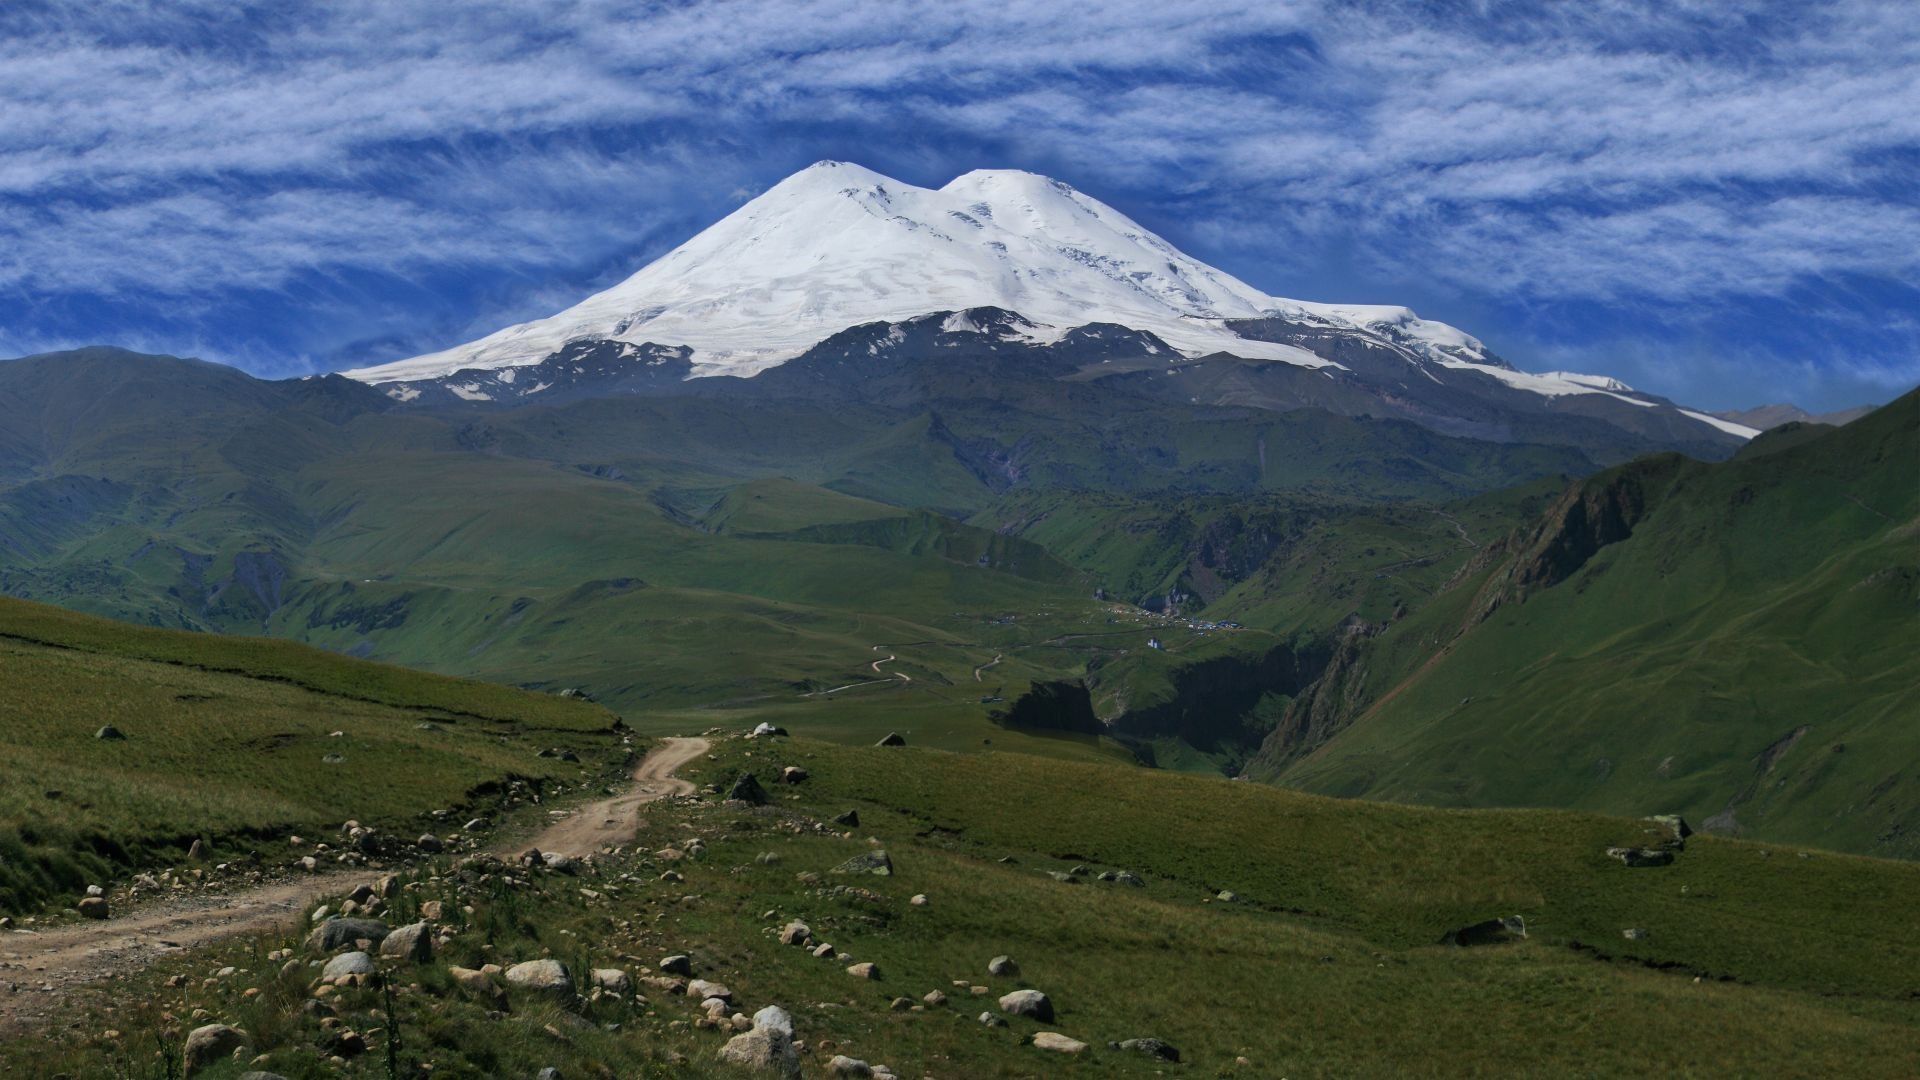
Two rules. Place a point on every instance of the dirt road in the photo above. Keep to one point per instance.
(37, 968)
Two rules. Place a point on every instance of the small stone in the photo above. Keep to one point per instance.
(93, 907)
(1053, 1040)
(851, 819)
(348, 963)
(429, 843)
(919, 900)
(991, 1020)
(871, 862)
(1638, 857)
(1003, 966)
(413, 943)
(677, 964)
(613, 980)
(793, 774)
(934, 999)
(796, 933)
(746, 789)
(842, 1065)
(1636, 934)
(900, 1004)
(1227, 896)
(701, 990)
(866, 970)
(109, 733)
(1150, 1046)
(893, 739)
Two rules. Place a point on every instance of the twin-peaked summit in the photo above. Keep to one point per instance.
(838, 245)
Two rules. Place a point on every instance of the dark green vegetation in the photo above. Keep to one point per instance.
(1754, 959)
(232, 741)
(985, 557)
(1739, 642)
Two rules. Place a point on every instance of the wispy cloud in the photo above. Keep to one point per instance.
(1654, 160)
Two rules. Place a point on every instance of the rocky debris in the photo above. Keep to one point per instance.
(209, 1044)
(433, 910)
(1149, 1046)
(413, 942)
(796, 933)
(767, 1047)
(429, 843)
(701, 990)
(561, 863)
(919, 900)
(893, 739)
(1491, 932)
(1631, 856)
(677, 964)
(1227, 896)
(793, 774)
(767, 731)
(1063, 877)
(1053, 1040)
(1028, 1003)
(842, 1065)
(867, 862)
(1003, 966)
(866, 970)
(1636, 934)
(823, 950)
(342, 1042)
(1128, 877)
(991, 1020)
(543, 976)
(748, 790)
(348, 963)
(336, 934)
(934, 999)
(851, 819)
(475, 825)
(197, 851)
(93, 907)
(109, 733)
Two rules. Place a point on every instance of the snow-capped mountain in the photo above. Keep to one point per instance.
(1005, 260)
(837, 245)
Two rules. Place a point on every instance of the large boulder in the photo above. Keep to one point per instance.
(210, 1044)
(767, 1047)
(541, 976)
(1029, 1003)
(413, 943)
(748, 790)
(1676, 828)
(612, 980)
(851, 819)
(867, 862)
(1003, 966)
(336, 934)
(677, 964)
(796, 933)
(93, 907)
(109, 733)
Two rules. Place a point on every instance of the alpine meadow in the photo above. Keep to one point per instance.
(508, 571)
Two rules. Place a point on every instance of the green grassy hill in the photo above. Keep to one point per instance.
(1739, 642)
(232, 741)
(1328, 959)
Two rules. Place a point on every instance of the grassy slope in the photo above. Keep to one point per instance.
(1757, 961)
(227, 740)
(1768, 602)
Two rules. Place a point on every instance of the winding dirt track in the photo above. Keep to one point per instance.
(36, 968)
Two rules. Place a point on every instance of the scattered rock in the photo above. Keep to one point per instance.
(934, 999)
(1029, 1003)
(765, 731)
(1128, 877)
(413, 943)
(612, 980)
(1227, 896)
(429, 843)
(1053, 1040)
(867, 862)
(544, 976)
(767, 1047)
(336, 934)
(701, 990)
(1150, 1046)
(991, 1020)
(1003, 966)
(677, 964)
(197, 851)
(919, 900)
(900, 1004)
(477, 983)
(93, 907)
(1491, 932)
(793, 774)
(1676, 826)
(893, 739)
(348, 963)
(851, 819)
(867, 970)
(1636, 934)
(796, 933)
(210, 1044)
(109, 733)
(1640, 856)
(842, 1065)
(748, 790)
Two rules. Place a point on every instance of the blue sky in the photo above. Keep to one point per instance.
(1717, 201)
